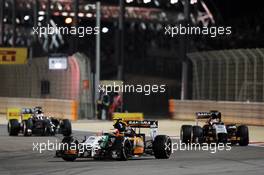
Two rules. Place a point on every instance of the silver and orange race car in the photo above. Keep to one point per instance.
(125, 142)
(214, 130)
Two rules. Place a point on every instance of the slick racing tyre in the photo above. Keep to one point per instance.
(242, 133)
(232, 133)
(27, 127)
(122, 149)
(44, 130)
(186, 134)
(66, 128)
(58, 153)
(222, 138)
(67, 153)
(197, 134)
(162, 147)
(13, 127)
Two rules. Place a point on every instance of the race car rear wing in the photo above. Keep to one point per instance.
(207, 115)
(13, 113)
(203, 115)
(19, 113)
(142, 123)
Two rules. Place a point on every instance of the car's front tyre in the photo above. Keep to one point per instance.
(27, 127)
(162, 147)
(67, 153)
(186, 134)
(66, 128)
(122, 149)
(242, 133)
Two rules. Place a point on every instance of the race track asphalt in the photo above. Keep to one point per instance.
(17, 157)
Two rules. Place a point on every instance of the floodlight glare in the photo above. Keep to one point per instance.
(68, 20)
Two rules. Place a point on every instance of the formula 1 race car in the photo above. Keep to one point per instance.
(127, 141)
(33, 122)
(214, 131)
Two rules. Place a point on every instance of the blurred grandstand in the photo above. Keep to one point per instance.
(149, 55)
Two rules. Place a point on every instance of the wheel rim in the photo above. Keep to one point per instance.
(126, 150)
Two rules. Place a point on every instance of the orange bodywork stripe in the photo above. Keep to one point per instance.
(139, 150)
(70, 152)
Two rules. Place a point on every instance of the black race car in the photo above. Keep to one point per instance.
(214, 130)
(33, 122)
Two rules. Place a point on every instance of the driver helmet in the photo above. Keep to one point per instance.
(38, 110)
(120, 126)
(215, 116)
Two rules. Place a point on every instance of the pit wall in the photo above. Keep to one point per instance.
(66, 109)
(24, 81)
(232, 112)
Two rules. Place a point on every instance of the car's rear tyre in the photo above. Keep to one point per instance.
(162, 147)
(66, 128)
(13, 127)
(70, 141)
(186, 134)
(242, 132)
(197, 134)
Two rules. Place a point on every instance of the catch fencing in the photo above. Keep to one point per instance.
(228, 75)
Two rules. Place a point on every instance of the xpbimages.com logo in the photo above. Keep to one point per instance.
(212, 31)
(146, 89)
(212, 147)
(41, 147)
(54, 29)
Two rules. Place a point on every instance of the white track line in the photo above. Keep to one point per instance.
(257, 144)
